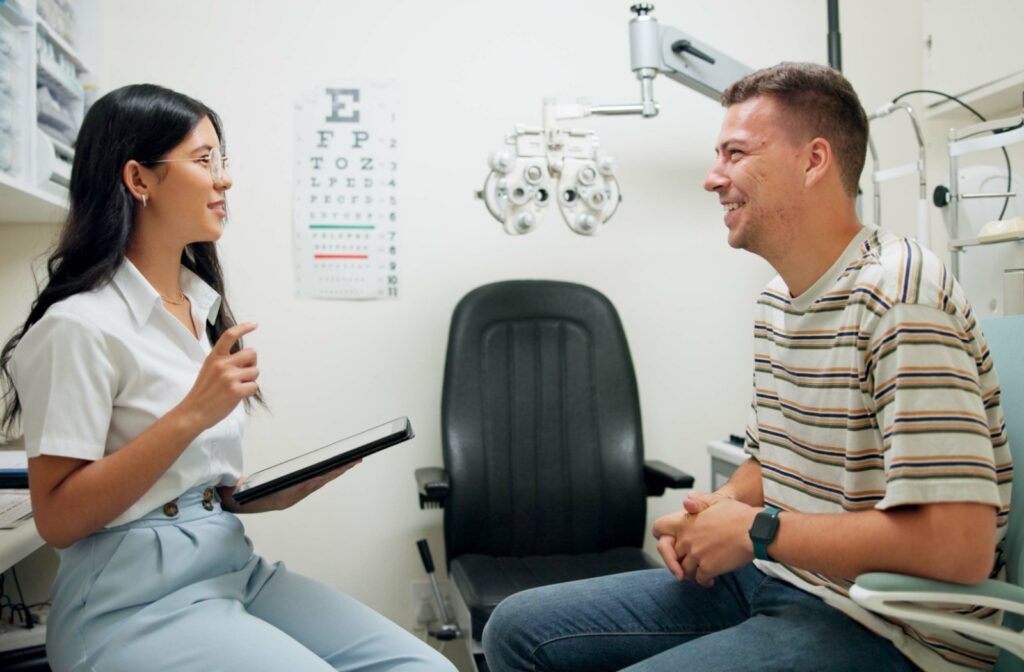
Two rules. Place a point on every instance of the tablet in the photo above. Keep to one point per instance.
(322, 460)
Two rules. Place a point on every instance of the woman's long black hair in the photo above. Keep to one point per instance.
(141, 122)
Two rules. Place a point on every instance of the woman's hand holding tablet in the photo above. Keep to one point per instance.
(323, 464)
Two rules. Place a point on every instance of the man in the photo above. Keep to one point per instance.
(876, 437)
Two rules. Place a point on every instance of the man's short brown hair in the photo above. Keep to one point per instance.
(821, 104)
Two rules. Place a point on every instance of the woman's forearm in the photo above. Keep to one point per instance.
(73, 498)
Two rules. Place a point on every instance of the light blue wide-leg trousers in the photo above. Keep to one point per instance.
(186, 592)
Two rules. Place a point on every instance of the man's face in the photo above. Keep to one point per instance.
(758, 176)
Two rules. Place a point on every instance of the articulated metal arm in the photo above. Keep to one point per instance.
(655, 49)
(553, 164)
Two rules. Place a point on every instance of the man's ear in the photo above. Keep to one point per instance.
(819, 161)
(134, 175)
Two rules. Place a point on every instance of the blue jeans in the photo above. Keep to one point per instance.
(649, 622)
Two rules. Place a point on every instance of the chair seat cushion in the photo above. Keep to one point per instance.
(483, 580)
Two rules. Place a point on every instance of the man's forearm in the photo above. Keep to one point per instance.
(948, 542)
(745, 484)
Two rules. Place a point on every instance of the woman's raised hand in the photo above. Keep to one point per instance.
(225, 379)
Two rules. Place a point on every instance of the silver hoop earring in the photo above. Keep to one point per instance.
(143, 200)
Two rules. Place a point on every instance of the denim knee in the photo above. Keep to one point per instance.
(504, 639)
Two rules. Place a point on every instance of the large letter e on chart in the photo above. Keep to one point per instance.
(339, 104)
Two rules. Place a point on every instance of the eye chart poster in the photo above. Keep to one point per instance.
(346, 193)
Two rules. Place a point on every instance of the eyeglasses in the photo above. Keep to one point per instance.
(215, 161)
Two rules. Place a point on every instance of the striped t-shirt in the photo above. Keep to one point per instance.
(875, 389)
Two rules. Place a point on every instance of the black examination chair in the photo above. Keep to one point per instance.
(544, 478)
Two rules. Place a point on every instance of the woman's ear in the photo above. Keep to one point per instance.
(134, 176)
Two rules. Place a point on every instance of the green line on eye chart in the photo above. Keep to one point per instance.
(349, 227)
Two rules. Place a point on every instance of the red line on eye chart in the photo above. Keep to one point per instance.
(341, 256)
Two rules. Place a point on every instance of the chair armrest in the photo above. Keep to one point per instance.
(433, 486)
(903, 597)
(658, 476)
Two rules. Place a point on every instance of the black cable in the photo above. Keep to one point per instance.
(4, 599)
(7, 603)
(26, 615)
(1006, 155)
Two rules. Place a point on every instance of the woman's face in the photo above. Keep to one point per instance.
(186, 198)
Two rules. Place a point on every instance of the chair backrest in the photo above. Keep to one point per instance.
(1005, 337)
(540, 424)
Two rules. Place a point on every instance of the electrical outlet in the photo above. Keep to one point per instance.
(423, 605)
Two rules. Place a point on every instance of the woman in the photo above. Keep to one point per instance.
(127, 377)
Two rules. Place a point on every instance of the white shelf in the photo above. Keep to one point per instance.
(1001, 98)
(51, 74)
(13, 638)
(22, 198)
(14, 14)
(25, 204)
(62, 44)
(19, 543)
(961, 243)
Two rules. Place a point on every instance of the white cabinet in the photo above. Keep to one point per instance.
(44, 86)
(726, 456)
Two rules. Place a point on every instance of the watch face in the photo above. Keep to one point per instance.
(764, 526)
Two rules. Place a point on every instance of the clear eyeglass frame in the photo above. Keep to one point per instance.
(214, 160)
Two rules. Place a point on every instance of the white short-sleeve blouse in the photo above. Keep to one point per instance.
(100, 367)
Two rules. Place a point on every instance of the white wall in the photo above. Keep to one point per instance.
(467, 71)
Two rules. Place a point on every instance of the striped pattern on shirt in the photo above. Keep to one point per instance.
(875, 389)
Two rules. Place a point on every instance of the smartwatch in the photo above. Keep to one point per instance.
(763, 531)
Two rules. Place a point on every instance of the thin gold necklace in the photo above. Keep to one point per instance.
(181, 299)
